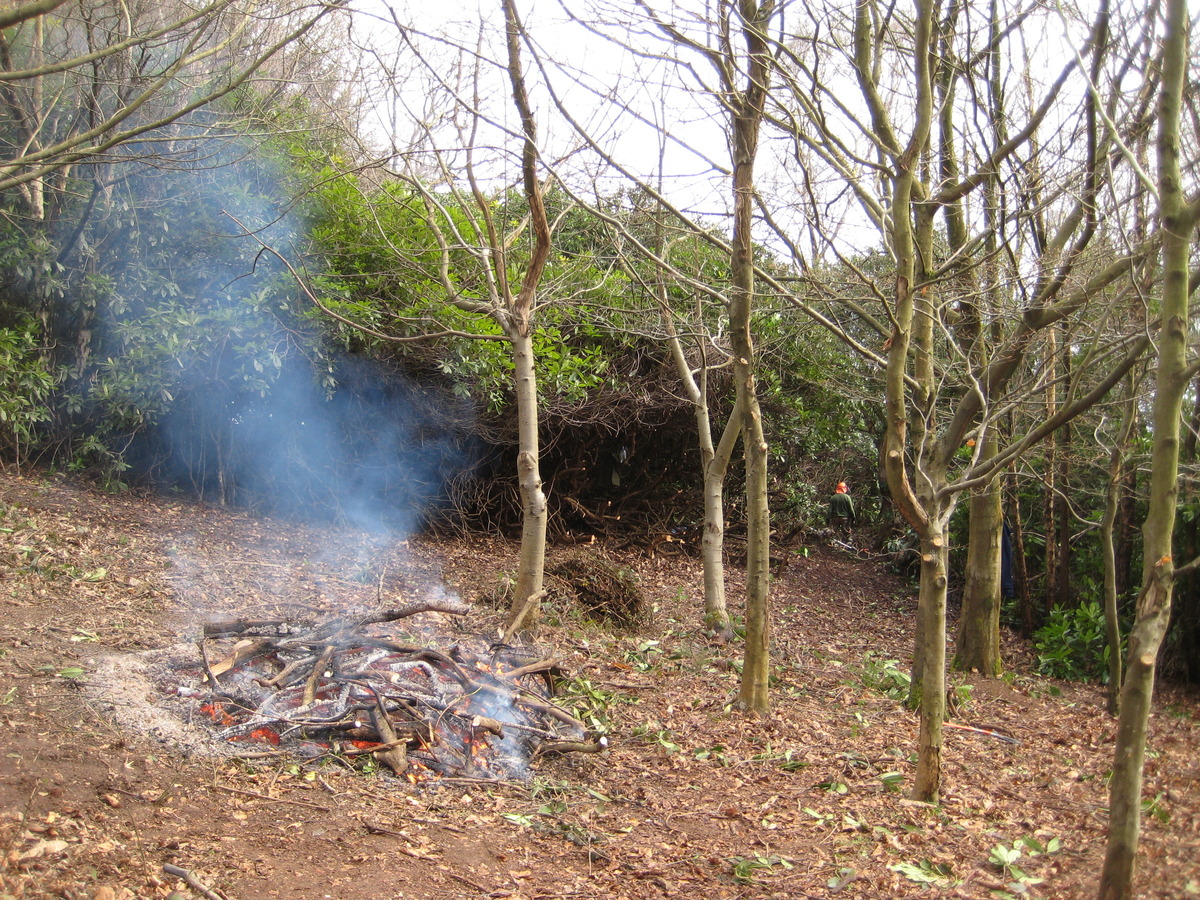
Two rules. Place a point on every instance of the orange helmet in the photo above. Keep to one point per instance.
(841, 488)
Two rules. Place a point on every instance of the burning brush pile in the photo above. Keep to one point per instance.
(343, 688)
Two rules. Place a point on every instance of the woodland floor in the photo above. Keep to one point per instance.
(692, 800)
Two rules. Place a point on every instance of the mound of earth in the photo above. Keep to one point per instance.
(109, 791)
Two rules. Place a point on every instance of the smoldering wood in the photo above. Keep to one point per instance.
(481, 711)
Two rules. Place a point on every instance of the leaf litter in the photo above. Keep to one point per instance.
(102, 789)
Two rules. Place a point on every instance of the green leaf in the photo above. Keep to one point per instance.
(926, 872)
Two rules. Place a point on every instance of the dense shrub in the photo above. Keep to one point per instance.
(1072, 645)
(25, 388)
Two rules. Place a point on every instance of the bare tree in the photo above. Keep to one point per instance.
(960, 320)
(484, 261)
(725, 49)
(100, 75)
(1178, 216)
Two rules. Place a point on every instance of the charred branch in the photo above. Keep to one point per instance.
(332, 689)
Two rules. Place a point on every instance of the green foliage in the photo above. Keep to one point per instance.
(646, 657)
(25, 388)
(1154, 808)
(382, 246)
(786, 760)
(1006, 859)
(654, 733)
(885, 676)
(747, 868)
(714, 754)
(937, 875)
(1072, 644)
(70, 673)
(589, 703)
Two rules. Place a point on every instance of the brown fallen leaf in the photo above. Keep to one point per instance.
(43, 848)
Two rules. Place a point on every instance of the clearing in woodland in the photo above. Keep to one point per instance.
(109, 789)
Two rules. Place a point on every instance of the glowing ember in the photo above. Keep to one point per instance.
(421, 712)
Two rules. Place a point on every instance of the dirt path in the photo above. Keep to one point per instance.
(100, 788)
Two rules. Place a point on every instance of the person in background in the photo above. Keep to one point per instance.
(841, 510)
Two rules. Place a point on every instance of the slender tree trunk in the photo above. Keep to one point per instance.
(1051, 570)
(978, 645)
(518, 325)
(1112, 622)
(712, 549)
(1062, 507)
(714, 461)
(909, 345)
(1125, 528)
(932, 653)
(532, 560)
(1154, 602)
(714, 464)
(747, 118)
(1020, 570)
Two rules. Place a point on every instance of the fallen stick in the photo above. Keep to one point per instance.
(191, 881)
(395, 752)
(241, 650)
(310, 686)
(257, 796)
(239, 626)
(443, 605)
(208, 672)
(984, 731)
(359, 751)
(597, 746)
(520, 620)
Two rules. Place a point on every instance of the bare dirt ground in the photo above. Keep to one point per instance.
(99, 790)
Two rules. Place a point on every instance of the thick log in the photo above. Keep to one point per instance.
(395, 757)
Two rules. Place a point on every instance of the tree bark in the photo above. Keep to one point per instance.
(712, 548)
(978, 645)
(1112, 500)
(932, 653)
(714, 460)
(532, 561)
(747, 118)
(1020, 569)
(1050, 566)
(518, 325)
(1154, 603)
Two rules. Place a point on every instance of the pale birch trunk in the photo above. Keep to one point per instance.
(712, 548)
(714, 464)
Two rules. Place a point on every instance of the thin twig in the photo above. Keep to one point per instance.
(212, 678)
(191, 881)
(233, 790)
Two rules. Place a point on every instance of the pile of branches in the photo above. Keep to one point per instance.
(602, 588)
(340, 689)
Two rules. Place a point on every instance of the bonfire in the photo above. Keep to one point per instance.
(348, 688)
